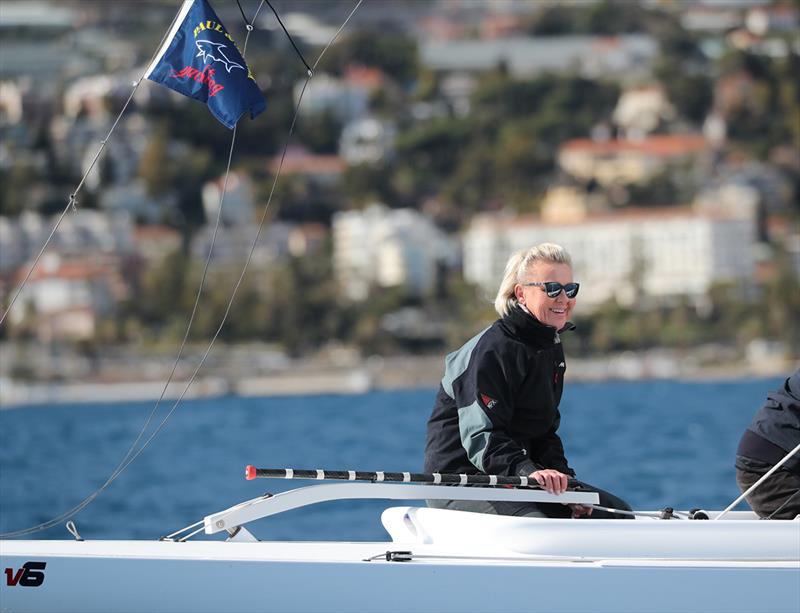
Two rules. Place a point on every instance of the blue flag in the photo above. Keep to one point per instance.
(199, 59)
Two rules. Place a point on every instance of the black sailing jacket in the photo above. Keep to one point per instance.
(496, 411)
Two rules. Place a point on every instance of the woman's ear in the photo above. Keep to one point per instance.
(519, 293)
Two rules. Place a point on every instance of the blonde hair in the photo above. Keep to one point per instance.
(518, 265)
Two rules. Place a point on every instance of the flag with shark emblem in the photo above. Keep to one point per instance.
(199, 59)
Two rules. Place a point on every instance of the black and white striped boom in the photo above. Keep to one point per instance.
(251, 472)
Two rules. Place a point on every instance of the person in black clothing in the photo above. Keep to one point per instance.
(773, 433)
(496, 410)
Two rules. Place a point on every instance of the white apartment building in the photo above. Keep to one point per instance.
(367, 140)
(388, 248)
(326, 93)
(665, 252)
(238, 206)
(83, 231)
(630, 161)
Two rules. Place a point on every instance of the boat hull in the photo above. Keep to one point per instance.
(102, 576)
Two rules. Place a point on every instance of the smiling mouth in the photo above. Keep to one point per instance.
(559, 311)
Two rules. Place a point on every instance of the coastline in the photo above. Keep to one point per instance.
(351, 376)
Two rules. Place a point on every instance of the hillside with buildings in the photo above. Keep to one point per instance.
(658, 142)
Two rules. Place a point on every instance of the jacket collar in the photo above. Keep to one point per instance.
(522, 324)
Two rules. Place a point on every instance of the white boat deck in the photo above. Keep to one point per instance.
(443, 561)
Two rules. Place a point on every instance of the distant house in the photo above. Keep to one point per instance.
(367, 140)
(66, 296)
(501, 25)
(706, 17)
(154, 243)
(37, 14)
(781, 17)
(388, 248)
(733, 92)
(629, 161)
(132, 199)
(10, 103)
(89, 96)
(300, 25)
(635, 256)
(238, 206)
(322, 169)
(83, 232)
(529, 56)
(640, 111)
(232, 244)
(565, 202)
(307, 238)
(457, 88)
(438, 27)
(347, 98)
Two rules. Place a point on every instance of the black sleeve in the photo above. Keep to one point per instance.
(484, 398)
(552, 454)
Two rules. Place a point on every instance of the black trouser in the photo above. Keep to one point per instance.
(778, 497)
(536, 509)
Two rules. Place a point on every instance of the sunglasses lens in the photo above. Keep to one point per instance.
(552, 288)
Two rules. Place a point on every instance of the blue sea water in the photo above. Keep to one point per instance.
(654, 443)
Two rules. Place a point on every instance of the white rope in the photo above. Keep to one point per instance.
(132, 454)
(74, 195)
(130, 457)
(752, 488)
(335, 36)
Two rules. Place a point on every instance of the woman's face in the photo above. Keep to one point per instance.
(553, 312)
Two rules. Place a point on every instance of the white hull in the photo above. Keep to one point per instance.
(449, 561)
(137, 576)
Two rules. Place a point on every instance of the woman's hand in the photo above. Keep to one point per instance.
(551, 480)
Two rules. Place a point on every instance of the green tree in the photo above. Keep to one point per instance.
(393, 52)
(155, 167)
(320, 132)
(366, 183)
(16, 185)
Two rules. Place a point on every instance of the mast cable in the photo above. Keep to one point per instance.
(131, 456)
(249, 258)
(766, 476)
(289, 36)
(247, 23)
(74, 195)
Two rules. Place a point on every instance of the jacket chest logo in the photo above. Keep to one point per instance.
(487, 401)
(558, 374)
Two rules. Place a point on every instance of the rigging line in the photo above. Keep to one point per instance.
(289, 36)
(752, 488)
(253, 246)
(234, 291)
(335, 36)
(131, 458)
(73, 196)
(130, 455)
(241, 10)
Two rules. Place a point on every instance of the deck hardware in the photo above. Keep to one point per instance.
(73, 530)
(399, 556)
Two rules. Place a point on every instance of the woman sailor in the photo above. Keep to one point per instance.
(496, 411)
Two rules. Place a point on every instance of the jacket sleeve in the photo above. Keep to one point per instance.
(552, 454)
(484, 398)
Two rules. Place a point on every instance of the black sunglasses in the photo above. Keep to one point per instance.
(553, 288)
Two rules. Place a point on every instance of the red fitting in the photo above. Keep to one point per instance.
(250, 472)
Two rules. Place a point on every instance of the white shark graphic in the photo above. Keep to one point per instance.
(214, 52)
